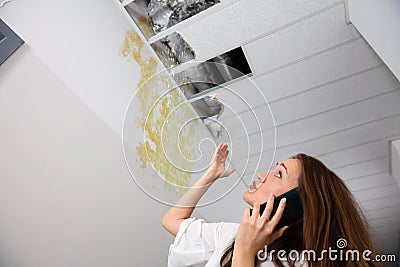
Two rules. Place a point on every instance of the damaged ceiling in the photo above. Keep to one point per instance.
(329, 94)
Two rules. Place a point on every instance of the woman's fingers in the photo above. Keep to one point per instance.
(221, 149)
(228, 172)
(224, 147)
(226, 152)
(257, 231)
(246, 214)
(256, 211)
(278, 214)
(268, 209)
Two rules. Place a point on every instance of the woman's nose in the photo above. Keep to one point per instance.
(262, 176)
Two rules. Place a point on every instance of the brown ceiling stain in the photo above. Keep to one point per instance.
(145, 26)
(161, 119)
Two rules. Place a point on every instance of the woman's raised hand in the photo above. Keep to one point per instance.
(255, 231)
(176, 215)
(217, 166)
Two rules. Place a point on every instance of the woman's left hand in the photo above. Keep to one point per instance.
(217, 167)
(255, 231)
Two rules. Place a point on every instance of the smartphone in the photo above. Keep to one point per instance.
(293, 210)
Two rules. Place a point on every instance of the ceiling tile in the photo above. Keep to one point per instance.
(301, 40)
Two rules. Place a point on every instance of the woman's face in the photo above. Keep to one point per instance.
(283, 178)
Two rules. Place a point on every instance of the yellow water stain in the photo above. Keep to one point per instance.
(161, 120)
(145, 26)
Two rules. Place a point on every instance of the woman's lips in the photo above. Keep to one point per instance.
(253, 187)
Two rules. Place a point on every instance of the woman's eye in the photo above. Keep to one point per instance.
(279, 174)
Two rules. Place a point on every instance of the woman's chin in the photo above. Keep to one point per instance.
(246, 197)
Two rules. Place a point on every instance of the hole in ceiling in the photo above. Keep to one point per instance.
(154, 16)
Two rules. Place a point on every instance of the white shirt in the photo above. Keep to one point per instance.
(198, 241)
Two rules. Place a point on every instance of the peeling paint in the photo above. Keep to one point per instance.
(161, 119)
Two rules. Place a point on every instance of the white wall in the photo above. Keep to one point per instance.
(66, 196)
(379, 22)
(80, 41)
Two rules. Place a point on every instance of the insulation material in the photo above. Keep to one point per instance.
(207, 107)
(204, 76)
(165, 54)
(159, 13)
(207, 75)
(173, 50)
(179, 47)
(185, 9)
(154, 16)
(166, 13)
(219, 70)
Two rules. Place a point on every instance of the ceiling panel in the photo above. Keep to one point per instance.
(311, 73)
(366, 134)
(360, 153)
(352, 136)
(251, 121)
(247, 20)
(341, 118)
(309, 37)
(253, 144)
(334, 95)
(384, 212)
(377, 192)
(369, 181)
(388, 244)
(320, 124)
(381, 203)
(386, 220)
(327, 67)
(241, 96)
(387, 229)
(363, 168)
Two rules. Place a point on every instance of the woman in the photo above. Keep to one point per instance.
(330, 214)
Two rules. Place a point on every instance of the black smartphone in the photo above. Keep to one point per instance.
(293, 210)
